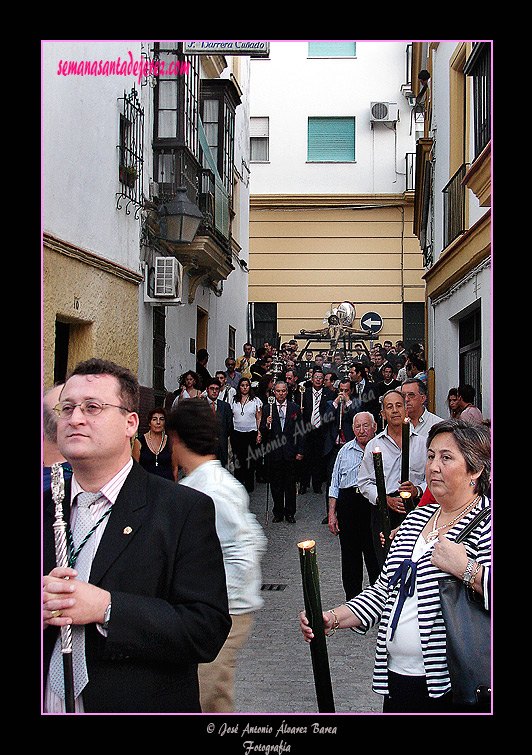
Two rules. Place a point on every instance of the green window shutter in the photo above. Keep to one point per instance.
(331, 139)
(331, 49)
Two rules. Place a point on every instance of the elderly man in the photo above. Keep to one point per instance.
(147, 599)
(389, 441)
(415, 393)
(50, 452)
(281, 430)
(350, 511)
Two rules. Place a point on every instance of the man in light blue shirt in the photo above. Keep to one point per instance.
(350, 512)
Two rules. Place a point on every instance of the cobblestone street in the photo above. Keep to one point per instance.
(274, 672)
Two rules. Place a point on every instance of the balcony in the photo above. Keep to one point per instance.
(454, 206)
(208, 259)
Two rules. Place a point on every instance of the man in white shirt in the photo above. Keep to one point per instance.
(192, 428)
(415, 393)
(389, 441)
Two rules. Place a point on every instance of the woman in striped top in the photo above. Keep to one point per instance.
(410, 661)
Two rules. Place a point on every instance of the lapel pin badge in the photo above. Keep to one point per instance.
(127, 530)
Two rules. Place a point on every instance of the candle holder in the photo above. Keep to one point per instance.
(314, 612)
(407, 500)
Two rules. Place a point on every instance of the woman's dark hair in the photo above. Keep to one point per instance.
(195, 424)
(194, 375)
(157, 410)
(474, 442)
(129, 387)
(238, 394)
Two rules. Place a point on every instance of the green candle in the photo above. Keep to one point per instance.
(381, 496)
(313, 609)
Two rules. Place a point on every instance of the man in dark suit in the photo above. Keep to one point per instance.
(202, 357)
(337, 432)
(224, 415)
(365, 395)
(281, 430)
(154, 601)
(315, 422)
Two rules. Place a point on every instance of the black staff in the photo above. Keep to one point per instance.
(405, 463)
(318, 644)
(271, 402)
(381, 497)
(61, 554)
(405, 451)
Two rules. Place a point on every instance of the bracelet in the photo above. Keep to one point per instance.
(335, 625)
(466, 576)
(473, 575)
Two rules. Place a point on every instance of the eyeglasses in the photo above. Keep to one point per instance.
(90, 407)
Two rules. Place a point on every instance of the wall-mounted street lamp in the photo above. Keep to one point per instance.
(179, 219)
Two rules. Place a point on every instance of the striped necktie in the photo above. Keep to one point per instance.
(84, 525)
(316, 419)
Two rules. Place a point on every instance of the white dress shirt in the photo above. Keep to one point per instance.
(241, 537)
(391, 462)
(426, 421)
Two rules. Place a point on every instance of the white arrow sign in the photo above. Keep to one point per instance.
(371, 321)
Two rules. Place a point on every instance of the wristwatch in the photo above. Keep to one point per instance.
(107, 616)
(466, 576)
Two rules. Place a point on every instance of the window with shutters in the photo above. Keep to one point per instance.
(332, 49)
(331, 139)
(259, 132)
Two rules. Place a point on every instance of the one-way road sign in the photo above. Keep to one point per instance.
(371, 321)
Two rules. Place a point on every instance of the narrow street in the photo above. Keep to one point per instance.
(274, 673)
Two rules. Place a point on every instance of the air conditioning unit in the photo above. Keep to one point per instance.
(384, 112)
(163, 283)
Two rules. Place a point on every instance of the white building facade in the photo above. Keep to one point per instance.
(120, 137)
(302, 81)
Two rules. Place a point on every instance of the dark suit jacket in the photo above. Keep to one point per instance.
(326, 395)
(168, 593)
(284, 443)
(332, 427)
(368, 401)
(224, 416)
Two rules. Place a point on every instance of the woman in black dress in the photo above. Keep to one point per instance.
(153, 449)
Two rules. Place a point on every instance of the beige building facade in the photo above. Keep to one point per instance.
(333, 139)
(87, 302)
(310, 253)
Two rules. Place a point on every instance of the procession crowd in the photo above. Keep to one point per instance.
(290, 420)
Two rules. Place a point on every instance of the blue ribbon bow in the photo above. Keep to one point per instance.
(405, 574)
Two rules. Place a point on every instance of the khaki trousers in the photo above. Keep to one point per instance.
(216, 679)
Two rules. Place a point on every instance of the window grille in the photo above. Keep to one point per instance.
(130, 155)
(479, 67)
